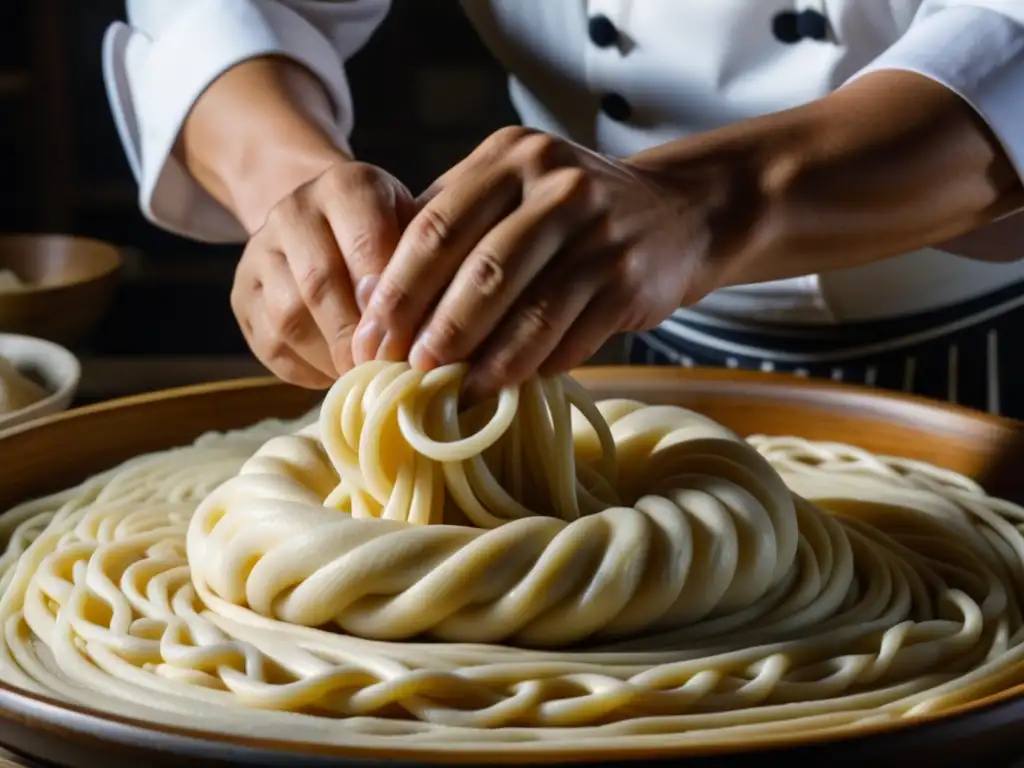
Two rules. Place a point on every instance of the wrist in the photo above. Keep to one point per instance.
(276, 171)
(262, 129)
(744, 180)
(889, 164)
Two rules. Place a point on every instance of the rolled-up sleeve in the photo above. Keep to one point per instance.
(976, 49)
(158, 64)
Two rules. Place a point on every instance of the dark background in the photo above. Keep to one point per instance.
(426, 91)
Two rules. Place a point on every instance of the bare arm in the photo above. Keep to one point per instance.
(888, 164)
(321, 225)
(250, 140)
(591, 247)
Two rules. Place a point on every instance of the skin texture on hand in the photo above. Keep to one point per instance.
(322, 226)
(256, 134)
(530, 253)
(306, 273)
(889, 164)
(533, 251)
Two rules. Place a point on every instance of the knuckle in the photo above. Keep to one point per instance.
(361, 174)
(288, 318)
(341, 179)
(572, 185)
(539, 148)
(390, 302)
(432, 229)
(336, 179)
(316, 281)
(510, 135)
(445, 337)
(631, 271)
(362, 246)
(535, 320)
(487, 273)
(274, 347)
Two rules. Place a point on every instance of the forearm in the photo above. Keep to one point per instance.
(249, 141)
(888, 164)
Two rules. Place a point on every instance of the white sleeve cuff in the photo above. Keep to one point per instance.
(153, 82)
(977, 53)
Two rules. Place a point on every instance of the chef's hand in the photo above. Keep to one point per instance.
(304, 275)
(529, 255)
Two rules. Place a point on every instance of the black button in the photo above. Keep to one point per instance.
(784, 27)
(792, 27)
(812, 25)
(616, 107)
(603, 33)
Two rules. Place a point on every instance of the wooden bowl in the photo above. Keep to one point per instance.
(64, 449)
(51, 366)
(70, 284)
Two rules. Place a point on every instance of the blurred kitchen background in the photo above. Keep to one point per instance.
(426, 91)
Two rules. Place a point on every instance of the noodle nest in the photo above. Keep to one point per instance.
(539, 571)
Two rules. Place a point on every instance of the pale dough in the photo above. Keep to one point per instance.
(380, 578)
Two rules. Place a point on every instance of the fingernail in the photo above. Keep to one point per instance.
(364, 290)
(421, 357)
(366, 341)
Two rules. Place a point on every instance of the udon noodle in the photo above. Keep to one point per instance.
(537, 572)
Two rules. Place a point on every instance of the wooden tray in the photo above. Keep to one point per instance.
(65, 449)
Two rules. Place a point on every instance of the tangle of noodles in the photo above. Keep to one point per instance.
(536, 572)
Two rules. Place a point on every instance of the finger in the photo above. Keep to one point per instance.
(337, 256)
(367, 215)
(532, 332)
(279, 358)
(427, 257)
(322, 286)
(501, 267)
(598, 322)
(286, 318)
(495, 149)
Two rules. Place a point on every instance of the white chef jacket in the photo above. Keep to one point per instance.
(679, 66)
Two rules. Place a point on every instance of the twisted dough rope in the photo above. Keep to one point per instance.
(706, 528)
(99, 608)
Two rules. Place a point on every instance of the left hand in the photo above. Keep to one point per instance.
(531, 253)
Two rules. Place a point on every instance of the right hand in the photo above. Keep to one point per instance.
(307, 272)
